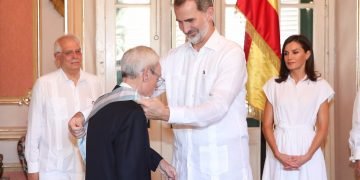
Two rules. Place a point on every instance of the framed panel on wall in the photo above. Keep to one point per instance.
(358, 46)
(19, 57)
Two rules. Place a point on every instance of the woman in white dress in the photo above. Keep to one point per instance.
(296, 115)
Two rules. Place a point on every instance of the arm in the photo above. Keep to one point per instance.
(36, 122)
(132, 150)
(268, 130)
(156, 161)
(321, 133)
(167, 170)
(76, 123)
(357, 167)
(33, 176)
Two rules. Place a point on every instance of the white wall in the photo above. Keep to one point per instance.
(89, 36)
(345, 80)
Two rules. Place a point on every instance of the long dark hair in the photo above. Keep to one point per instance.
(309, 64)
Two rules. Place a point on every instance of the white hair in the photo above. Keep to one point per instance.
(136, 59)
(57, 44)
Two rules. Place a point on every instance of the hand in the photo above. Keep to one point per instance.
(33, 176)
(357, 168)
(76, 125)
(167, 170)
(300, 160)
(154, 109)
(287, 161)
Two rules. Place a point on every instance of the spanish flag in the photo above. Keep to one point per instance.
(262, 46)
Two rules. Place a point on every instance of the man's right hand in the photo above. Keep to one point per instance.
(154, 109)
(33, 176)
(76, 125)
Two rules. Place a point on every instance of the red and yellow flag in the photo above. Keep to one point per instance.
(262, 46)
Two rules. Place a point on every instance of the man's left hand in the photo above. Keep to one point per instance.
(167, 170)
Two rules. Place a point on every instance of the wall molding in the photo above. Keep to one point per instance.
(11, 133)
(12, 166)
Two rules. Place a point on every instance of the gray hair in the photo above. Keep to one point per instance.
(202, 5)
(136, 59)
(57, 44)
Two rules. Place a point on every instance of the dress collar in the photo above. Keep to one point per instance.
(305, 78)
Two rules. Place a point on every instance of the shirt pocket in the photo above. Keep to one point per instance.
(205, 86)
(214, 160)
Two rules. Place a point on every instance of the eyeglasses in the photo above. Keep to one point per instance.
(71, 52)
(160, 80)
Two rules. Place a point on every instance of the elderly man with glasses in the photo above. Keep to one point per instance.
(115, 141)
(51, 152)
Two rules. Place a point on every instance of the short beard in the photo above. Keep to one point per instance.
(195, 39)
(199, 35)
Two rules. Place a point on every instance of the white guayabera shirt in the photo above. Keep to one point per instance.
(354, 140)
(206, 97)
(55, 99)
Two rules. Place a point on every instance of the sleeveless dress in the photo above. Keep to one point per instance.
(295, 108)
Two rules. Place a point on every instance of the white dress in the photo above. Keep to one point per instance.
(295, 108)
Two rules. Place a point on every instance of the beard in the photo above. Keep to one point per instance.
(199, 35)
(194, 39)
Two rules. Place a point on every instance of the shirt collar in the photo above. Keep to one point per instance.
(212, 42)
(64, 76)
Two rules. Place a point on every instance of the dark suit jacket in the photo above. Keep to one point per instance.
(117, 146)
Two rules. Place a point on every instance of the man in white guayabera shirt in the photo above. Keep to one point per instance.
(51, 152)
(354, 140)
(205, 87)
